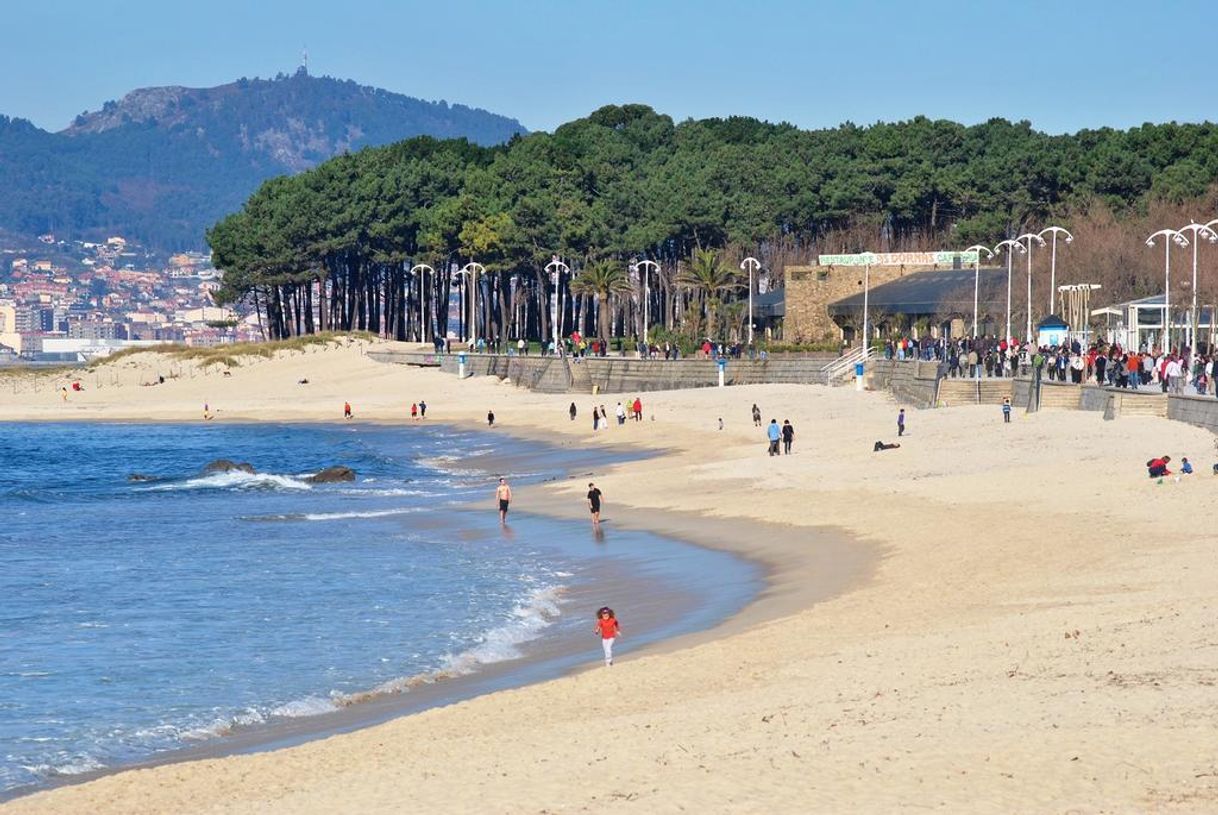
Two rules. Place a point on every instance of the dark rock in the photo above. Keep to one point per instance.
(140, 477)
(223, 465)
(332, 475)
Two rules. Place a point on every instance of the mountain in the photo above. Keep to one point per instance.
(162, 164)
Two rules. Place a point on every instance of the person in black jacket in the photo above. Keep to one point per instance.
(788, 436)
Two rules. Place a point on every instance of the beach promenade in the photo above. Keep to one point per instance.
(1029, 626)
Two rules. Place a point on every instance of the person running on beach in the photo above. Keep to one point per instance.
(490, 418)
(1006, 409)
(607, 626)
(346, 410)
(901, 422)
(773, 433)
(422, 409)
(571, 410)
(504, 495)
(594, 503)
(414, 412)
(756, 415)
(788, 436)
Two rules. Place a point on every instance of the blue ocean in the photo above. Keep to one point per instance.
(142, 617)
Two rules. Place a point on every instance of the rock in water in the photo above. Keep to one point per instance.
(139, 477)
(332, 475)
(223, 465)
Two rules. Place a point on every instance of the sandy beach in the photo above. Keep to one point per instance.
(1029, 626)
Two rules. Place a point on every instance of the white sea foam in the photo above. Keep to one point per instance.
(309, 706)
(372, 513)
(502, 643)
(75, 766)
(236, 479)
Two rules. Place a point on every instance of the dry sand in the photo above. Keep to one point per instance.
(1038, 635)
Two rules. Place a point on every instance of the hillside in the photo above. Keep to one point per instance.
(162, 164)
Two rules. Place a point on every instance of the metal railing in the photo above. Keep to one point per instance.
(843, 366)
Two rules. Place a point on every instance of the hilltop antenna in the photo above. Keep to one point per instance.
(304, 60)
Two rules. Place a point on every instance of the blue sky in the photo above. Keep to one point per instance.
(1062, 65)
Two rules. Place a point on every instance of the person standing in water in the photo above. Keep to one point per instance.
(504, 495)
(594, 503)
(607, 626)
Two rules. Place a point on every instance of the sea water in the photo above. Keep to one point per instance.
(144, 616)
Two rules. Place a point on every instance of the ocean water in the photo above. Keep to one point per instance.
(139, 617)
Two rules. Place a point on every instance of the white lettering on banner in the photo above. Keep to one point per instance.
(898, 259)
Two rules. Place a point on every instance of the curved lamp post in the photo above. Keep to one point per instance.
(978, 248)
(750, 264)
(1010, 244)
(1169, 237)
(1030, 237)
(419, 269)
(472, 270)
(644, 266)
(556, 268)
(1054, 231)
(1197, 231)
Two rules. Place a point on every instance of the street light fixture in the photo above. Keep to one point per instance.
(556, 268)
(419, 269)
(751, 264)
(1029, 236)
(1010, 244)
(1055, 231)
(1198, 231)
(472, 270)
(644, 266)
(1169, 236)
(978, 248)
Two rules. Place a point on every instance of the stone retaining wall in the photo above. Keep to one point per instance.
(1196, 410)
(912, 382)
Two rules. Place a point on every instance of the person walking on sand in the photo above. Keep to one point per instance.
(596, 419)
(1006, 410)
(346, 410)
(788, 436)
(901, 422)
(414, 412)
(594, 503)
(607, 626)
(620, 412)
(422, 409)
(571, 410)
(490, 418)
(638, 409)
(504, 495)
(756, 415)
(773, 433)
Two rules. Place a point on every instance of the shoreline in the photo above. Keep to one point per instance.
(1035, 631)
(775, 595)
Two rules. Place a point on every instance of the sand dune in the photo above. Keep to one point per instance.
(1038, 634)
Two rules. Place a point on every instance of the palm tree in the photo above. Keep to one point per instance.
(708, 276)
(602, 279)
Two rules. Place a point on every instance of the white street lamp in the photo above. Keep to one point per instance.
(1197, 231)
(556, 268)
(472, 270)
(1054, 230)
(1169, 236)
(644, 266)
(1030, 237)
(1011, 245)
(751, 264)
(419, 269)
(977, 279)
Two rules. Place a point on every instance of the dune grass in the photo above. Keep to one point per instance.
(230, 355)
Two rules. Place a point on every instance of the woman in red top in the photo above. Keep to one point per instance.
(607, 627)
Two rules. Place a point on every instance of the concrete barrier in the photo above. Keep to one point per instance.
(912, 382)
(1201, 411)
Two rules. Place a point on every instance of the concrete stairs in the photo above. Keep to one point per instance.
(581, 378)
(1060, 397)
(989, 391)
(1139, 404)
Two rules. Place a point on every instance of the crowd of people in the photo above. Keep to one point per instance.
(1178, 371)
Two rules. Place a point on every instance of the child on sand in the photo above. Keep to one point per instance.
(1185, 467)
(607, 627)
(346, 410)
(414, 412)
(1006, 409)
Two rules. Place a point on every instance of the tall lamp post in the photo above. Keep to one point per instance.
(1054, 231)
(1030, 237)
(1169, 237)
(472, 270)
(751, 265)
(978, 248)
(419, 269)
(556, 268)
(1011, 245)
(645, 266)
(1197, 231)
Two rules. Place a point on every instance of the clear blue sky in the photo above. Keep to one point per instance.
(1062, 65)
